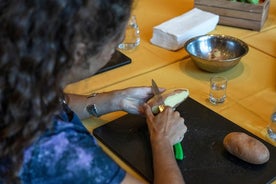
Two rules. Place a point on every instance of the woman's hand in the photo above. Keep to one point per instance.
(132, 99)
(165, 125)
(166, 129)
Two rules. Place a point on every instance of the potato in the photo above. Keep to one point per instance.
(246, 148)
(171, 97)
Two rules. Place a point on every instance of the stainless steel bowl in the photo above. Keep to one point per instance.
(216, 53)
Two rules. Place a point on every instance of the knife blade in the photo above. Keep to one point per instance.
(155, 88)
(157, 96)
(178, 150)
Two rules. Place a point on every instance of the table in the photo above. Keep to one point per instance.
(157, 57)
(251, 93)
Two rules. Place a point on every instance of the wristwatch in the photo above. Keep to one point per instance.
(92, 109)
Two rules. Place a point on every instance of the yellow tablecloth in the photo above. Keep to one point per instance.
(264, 41)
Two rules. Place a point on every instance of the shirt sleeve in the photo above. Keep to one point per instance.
(69, 155)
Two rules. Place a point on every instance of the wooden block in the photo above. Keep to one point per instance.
(237, 14)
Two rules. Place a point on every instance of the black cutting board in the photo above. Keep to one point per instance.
(206, 160)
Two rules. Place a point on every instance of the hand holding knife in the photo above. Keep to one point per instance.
(161, 106)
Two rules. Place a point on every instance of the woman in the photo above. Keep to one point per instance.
(45, 45)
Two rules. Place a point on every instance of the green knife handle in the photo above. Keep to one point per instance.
(178, 151)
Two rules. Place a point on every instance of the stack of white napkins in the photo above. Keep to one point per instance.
(173, 33)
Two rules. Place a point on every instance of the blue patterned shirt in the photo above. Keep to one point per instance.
(68, 154)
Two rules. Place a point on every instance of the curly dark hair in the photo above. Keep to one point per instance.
(37, 39)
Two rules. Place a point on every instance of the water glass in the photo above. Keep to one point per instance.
(132, 35)
(218, 85)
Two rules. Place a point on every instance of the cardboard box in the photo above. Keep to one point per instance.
(237, 14)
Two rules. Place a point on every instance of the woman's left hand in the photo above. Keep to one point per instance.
(132, 99)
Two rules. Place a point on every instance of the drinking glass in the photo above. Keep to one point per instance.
(271, 129)
(132, 35)
(218, 85)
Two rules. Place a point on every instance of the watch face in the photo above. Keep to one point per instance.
(92, 110)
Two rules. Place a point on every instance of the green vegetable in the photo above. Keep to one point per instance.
(247, 1)
(253, 1)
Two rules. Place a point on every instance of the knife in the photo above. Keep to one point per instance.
(157, 95)
(178, 150)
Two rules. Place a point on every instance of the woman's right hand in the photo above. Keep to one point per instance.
(165, 125)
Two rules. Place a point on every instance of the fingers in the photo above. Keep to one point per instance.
(176, 124)
(148, 113)
(144, 91)
(165, 125)
(147, 110)
(134, 97)
(152, 125)
(182, 130)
